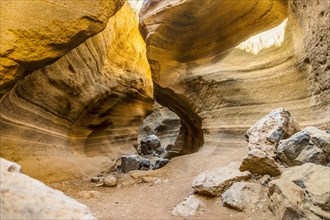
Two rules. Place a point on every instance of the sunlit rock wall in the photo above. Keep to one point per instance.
(218, 90)
(36, 33)
(72, 117)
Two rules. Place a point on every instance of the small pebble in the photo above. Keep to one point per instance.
(95, 179)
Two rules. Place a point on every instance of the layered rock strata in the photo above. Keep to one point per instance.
(36, 33)
(219, 91)
(67, 119)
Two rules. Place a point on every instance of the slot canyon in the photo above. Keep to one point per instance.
(165, 109)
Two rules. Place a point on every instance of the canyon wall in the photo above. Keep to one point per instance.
(36, 33)
(74, 116)
(219, 91)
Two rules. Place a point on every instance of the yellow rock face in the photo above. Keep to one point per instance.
(36, 33)
(72, 117)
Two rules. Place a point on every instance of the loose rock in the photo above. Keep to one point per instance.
(257, 162)
(110, 181)
(310, 145)
(214, 182)
(245, 196)
(129, 163)
(189, 207)
(148, 145)
(301, 192)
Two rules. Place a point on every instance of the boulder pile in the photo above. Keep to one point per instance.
(286, 170)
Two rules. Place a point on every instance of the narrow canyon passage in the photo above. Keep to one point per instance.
(165, 109)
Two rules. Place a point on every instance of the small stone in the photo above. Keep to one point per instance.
(95, 179)
(110, 181)
(89, 194)
(160, 162)
(214, 182)
(158, 181)
(189, 207)
(149, 179)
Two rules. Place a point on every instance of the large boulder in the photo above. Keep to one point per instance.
(301, 192)
(214, 182)
(262, 139)
(244, 196)
(25, 198)
(268, 131)
(36, 33)
(310, 145)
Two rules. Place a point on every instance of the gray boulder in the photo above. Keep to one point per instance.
(150, 145)
(309, 145)
(268, 131)
(22, 197)
(243, 196)
(129, 163)
(262, 139)
(214, 182)
(301, 192)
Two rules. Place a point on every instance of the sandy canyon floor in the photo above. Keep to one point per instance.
(156, 200)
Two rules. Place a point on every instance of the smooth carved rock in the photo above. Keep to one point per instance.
(301, 192)
(243, 196)
(163, 123)
(214, 182)
(310, 145)
(85, 108)
(201, 76)
(189, 207)
(22, 197)
(36, 33)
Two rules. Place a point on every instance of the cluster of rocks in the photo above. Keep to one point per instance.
(150, 156)
(286, 170)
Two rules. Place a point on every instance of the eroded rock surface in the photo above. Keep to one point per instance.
(75, 115)
(214, 182)
(302, 192)
(36, 33)
(219, 91)
(25, 198)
